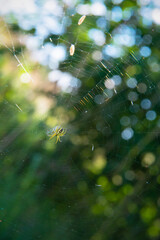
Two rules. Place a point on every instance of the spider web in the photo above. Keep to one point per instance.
(95, 100)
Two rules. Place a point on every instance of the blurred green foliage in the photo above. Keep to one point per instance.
(94, 184)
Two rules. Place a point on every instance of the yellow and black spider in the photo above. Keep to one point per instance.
(58, 132)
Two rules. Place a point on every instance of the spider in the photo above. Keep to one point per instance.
(58, 132)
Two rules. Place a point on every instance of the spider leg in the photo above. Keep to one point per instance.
(53, 136)
(63, 132)
(57, 139)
